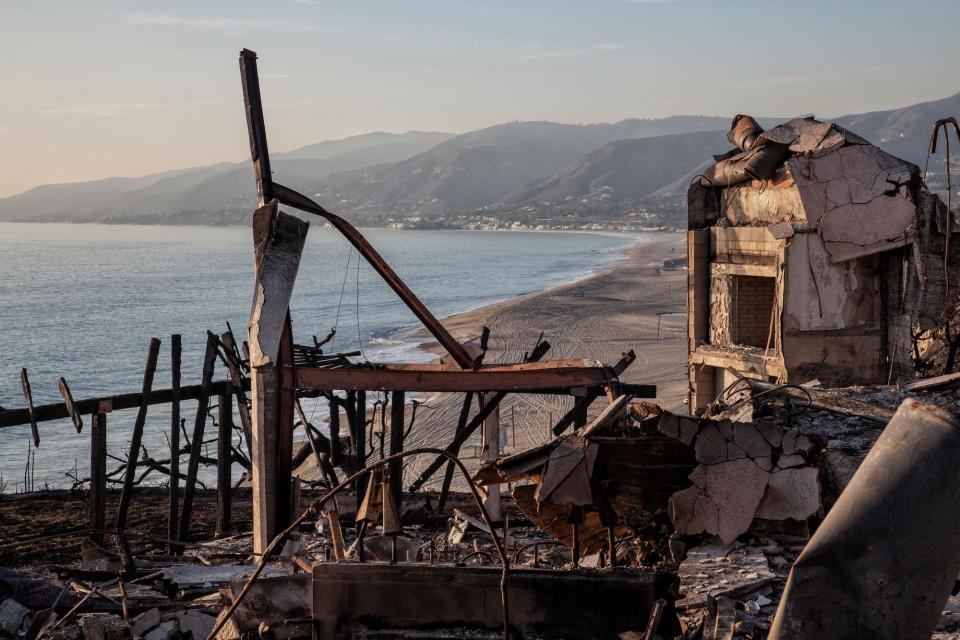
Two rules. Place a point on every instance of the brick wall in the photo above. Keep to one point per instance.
(752, 309)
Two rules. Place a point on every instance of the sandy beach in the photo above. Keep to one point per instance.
(636, 304)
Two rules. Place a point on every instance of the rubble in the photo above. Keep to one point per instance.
(823, 266)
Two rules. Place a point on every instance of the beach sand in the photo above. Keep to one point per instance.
(597, 318)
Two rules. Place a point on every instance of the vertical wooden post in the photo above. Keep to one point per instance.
(127, 492)
(224, 456)
(336, 451)
(580, 414)
(360, 439)
(272, 425)
(173, 516)
(98, 474)
(448, 472)
(396, 445)
(196, 444)
(236, 377)
(285, 494)
(491, 451)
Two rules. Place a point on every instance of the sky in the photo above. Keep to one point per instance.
(92, 89)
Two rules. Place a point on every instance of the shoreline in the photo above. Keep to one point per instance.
(610, 231)
(466, 325)
(417, 338)
(635, 303)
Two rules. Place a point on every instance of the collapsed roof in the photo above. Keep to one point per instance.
(808, 174)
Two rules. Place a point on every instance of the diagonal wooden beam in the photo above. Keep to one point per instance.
(487, 409)
(127, 492)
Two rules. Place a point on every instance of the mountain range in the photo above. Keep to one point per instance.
(536, 173)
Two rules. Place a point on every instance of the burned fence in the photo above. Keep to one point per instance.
(138, 464)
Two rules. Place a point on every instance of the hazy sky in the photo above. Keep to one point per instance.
(95, 89)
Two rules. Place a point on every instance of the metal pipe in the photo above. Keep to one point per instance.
(884, 560)
(267, 189)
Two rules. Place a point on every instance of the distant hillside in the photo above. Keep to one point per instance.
(418, 140)
(530, 173)
(207, 195)
(484, 167)
(904, 132)
(625, 169)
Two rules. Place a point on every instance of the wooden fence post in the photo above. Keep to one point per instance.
(127, 492)
(196, 444)
(173, 517)
(98, 475)
(224, 456)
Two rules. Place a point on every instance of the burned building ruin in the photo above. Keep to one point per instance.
(813, 254)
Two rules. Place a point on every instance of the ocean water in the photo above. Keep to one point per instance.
(83, 301)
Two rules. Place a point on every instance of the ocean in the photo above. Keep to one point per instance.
(83, 301)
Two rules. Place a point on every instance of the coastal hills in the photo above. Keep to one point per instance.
(629, 174)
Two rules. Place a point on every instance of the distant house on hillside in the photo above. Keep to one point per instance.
(813, 255)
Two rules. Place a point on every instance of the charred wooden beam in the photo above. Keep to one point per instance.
(491, 451)
(224, 458)
(278, 244)
(68, 400)
(396, 445)
(336, 450)
(285, 495)
(360, 439)
(58, 410)
(576, 416)
(448, 473)
(98, 474)
(527, 377)
(28, 398)
(136, 437)
(196, 443)
(256, 130)
(173, 514)
(239, 389)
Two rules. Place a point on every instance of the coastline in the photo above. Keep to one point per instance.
(599, 317)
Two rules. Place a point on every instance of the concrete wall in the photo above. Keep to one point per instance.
(349, 598)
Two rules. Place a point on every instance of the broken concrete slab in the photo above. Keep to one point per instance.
(268, 606)
(145, 621)
(732, 486)
(712, 571)
(188, 577)
(792, 494)
(567, 474)
(727, 503)
(197, 624)
(164, 631)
